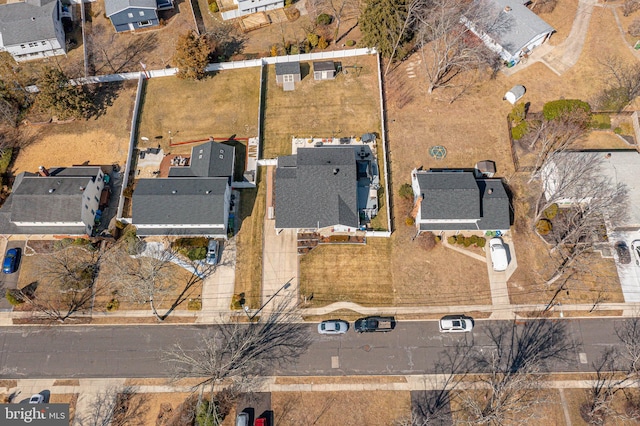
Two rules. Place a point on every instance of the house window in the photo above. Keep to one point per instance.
(287, 78)
(86, 207)
(97, 199)
(44, 43)
(144, 23)
(22, 46)
(130, 15)
(141, 13)
(92, 212)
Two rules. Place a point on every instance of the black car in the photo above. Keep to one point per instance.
(369, 324)
(622, 249)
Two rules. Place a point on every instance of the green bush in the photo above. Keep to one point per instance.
(482, 241)
(113, 305)
(14, 297)
(406, 191)
(409, 221)
(5, 159)
(600, 121)
(313, 39)
(438, 238)
(555, 109)
(237, 301)
(194, 304)
(520, 130)
(322, 43)
(460, 239)
(350, 43)
(518, 114)
(195, 253)
(213, 7)
(188, 242)
(617, 130)
(466, 241)
(551, 211)
(473, 239)
(203, 416)
(324, 19)
(451, 240)
(80, 242)
(544, 226)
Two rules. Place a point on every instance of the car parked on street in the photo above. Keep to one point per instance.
(455, 324)
(36, 399)
(369, 324)
(622, 250)
(498, 255)
(635, 250)
(333, 327)
(10, 261)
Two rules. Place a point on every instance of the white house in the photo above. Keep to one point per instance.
(32, 29)
(246, 7)
(515, 32)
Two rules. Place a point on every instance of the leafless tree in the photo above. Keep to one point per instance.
(577, 178)
(629, 334)
(150, 277)
(116, 407)
(448, 47)
(622, 79)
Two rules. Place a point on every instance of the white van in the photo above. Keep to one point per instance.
(498, 255)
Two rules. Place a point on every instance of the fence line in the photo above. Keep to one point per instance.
(384, 147)
(132, 141)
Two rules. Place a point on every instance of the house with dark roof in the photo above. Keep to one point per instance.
(317, 188)
(194, 200)
(457, 200)
(59, 201)
(130, 15)
(324, 70)
(32, 29)
(514, 33)
(287, 74)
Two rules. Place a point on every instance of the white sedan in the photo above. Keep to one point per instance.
(455, 324)
(333, 327)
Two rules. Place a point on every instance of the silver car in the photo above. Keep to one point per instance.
(455, 324)
(333, 327)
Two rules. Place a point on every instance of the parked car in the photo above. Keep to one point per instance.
(369, 324)
(622, 250)
(455, 324)
(242, 419)
(36, 399)
(498, 255)
(635, 249)
(260, 422)
(10, 261)
(212, 252)
(333, 327)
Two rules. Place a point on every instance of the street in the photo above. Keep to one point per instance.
(29, 352)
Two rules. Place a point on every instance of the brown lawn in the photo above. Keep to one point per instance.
(222, 105)
(102, 140)
(346, 106)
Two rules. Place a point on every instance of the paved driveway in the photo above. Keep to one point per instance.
(629, 274)
(8, 281)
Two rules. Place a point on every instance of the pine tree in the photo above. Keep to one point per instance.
(382, 23)
(61, 97)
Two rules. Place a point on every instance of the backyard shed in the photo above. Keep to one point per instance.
(514, 94)
(287, 73)
(324, 70)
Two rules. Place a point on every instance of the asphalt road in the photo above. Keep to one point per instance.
(137, 351)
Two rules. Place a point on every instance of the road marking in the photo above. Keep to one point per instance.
(335, 362)
(583, 358)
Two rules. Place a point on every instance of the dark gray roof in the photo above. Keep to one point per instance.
(324, 66)
(196, 201)
(75, 171)
(26, 22)
(318, 190)
(211, 159)
(33, 201)
(449, 195)
(114, 6)
(283, 68)
(445, 192)
(516, 25)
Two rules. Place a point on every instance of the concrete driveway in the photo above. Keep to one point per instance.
(629, 273)
(498, 280)
(9, 281)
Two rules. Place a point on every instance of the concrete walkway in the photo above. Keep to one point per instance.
(280, 264)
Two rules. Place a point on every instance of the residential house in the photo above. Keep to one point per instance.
(324, 70)
(195, 200)
(56, 201)
(457, 200)
(130, 15)
(515, 32)
(319, 188)
(32, 29)
(287, 74)
(246, 7)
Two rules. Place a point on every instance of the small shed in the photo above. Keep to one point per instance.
(514, 94)
(486, 168)
(287, 73)
(324, 70)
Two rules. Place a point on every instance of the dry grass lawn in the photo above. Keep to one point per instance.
(222, 105)
(103, 140)
(576, 397)
(340, 408)
(346, 106)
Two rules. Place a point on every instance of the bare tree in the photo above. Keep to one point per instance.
(622, 79)
(150, 276)
(116, 407)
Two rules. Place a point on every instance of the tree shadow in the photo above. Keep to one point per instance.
(103, 96)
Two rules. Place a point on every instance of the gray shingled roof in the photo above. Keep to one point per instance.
(449, 195)
(324, 66)
(283, 68)
(24, 22)
(211, 159)
(155, 203)
(114, 6)
(317, 188)
(32, 201)
(517, 26)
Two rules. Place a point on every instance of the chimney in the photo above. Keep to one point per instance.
(507, 8)
(42, 171)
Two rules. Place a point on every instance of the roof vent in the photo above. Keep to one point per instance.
(33, 18)
(174, 192)
(608, 155)
(335, 171)
(490, 191)
(81, 188)
(207, 191)
(221, 157)
(222, 151)
(507, 8)
(51, 190)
